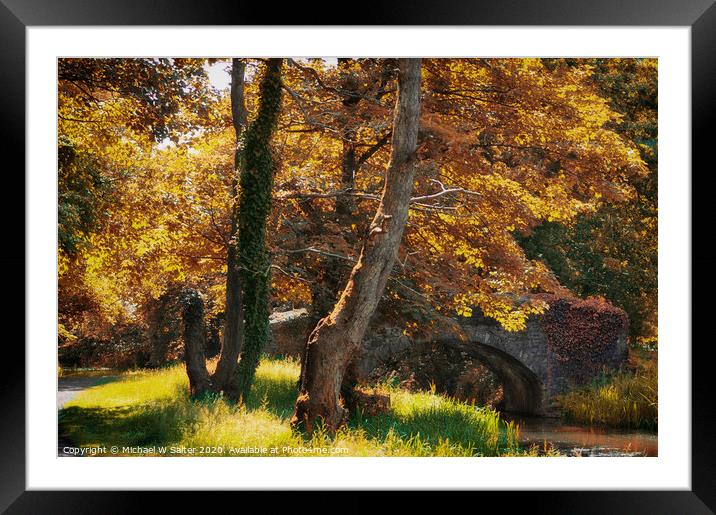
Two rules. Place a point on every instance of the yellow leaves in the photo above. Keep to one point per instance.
(64, 335)
(523, 139)
(464, 311)
(411, 329)
(468, 254)
(511, 315)
(63, 263)
(291, 290)
(532, 144)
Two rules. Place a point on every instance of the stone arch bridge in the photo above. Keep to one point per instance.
(531, 370)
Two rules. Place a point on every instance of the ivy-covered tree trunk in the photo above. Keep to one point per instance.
(336, 338)
(233, 324)
(256, 181)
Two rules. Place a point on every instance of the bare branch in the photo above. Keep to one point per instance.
(318, 251)
(443, 191)
(373, 149)
(291, 276)
(329, 194)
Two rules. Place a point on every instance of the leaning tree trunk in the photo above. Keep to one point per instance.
(257, 171)
(338, 337)
(233, 324)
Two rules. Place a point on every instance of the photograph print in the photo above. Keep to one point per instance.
(357, 257)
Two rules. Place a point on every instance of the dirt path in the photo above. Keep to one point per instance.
(67, 389)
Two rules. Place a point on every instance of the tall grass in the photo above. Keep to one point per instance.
(152, 409)
(627, 400)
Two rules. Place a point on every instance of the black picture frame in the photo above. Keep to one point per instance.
(700, 15)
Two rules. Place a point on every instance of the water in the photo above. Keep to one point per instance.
(578, 440)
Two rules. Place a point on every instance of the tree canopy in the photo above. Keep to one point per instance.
(536, 176)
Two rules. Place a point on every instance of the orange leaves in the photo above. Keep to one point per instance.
(514, 142)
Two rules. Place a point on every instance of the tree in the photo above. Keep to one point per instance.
(233, 311)
(338, 336)
(613, 251)
(248, 260)
(257, 172)
(82, 194)
(145, 95)
(512, 144)
(110, 114)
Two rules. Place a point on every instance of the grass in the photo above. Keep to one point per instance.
(151, 409)
(626, 400)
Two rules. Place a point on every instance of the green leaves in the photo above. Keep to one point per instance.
(82, 195)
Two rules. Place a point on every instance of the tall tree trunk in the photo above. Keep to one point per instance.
(345, 205)
(337, 337)
(231, 345)
(257, 171)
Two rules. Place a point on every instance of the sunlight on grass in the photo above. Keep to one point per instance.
(134, 388)
(152, 408)
(628, 400)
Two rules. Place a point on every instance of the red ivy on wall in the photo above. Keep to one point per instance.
(582, 334)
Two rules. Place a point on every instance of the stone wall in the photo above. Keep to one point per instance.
(288, 332)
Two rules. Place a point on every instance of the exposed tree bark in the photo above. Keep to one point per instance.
(233, 324)
(345, 205)
(333, 270)
(257, 172)
(164, 324)
(337, 337)
(194, 336)
(248, 275)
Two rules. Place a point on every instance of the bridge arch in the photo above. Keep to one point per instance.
(522, 387)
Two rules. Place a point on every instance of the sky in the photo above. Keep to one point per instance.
(219, 76)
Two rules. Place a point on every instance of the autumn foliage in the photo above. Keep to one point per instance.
(506, 146)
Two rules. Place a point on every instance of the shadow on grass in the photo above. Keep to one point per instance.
(453, 426)
(277, 395)
(164, 421)
(421, 429)
(472, 430)
(127, 425)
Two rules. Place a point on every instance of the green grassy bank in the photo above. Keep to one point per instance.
(152, 410)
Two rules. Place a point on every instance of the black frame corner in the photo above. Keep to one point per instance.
(700, 15)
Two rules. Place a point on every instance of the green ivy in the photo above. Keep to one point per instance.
(256, 183)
